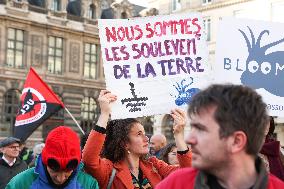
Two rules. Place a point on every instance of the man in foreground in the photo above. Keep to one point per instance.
(228, 129)
(58, 166)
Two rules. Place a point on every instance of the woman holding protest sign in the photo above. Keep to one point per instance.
(115, 152)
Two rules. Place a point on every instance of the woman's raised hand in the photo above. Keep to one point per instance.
(105, 99)
(179, 117)
(179, 121)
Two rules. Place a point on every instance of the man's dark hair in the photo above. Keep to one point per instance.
(116, 138)
(238, 108)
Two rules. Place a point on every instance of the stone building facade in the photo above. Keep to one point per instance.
(59, 39)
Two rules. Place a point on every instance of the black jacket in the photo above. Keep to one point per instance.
(7, 172)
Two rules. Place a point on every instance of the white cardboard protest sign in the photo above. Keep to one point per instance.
(153, 64)
(252, 53)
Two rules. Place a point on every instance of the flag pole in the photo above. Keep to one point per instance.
(75, 121)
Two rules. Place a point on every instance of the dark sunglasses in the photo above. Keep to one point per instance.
(55, 165)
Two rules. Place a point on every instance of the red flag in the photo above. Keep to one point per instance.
(38, 103)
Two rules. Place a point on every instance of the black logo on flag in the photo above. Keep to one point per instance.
(33, 107)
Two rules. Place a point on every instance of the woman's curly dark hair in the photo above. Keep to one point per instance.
(116, 138)
(271, 128)
(166, 150)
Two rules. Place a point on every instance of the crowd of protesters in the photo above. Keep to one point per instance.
(118, 154)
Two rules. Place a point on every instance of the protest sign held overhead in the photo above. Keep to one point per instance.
(38, 103)
(153, 64)
(252, 53)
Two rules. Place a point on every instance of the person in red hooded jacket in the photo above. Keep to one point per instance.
(270, 152)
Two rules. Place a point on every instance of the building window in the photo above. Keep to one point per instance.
(39, 3)
(15, 50)
(55, 54)
(206, 1)
(89, 113)
(55, 5)
(92, 11)
(277, 13)
(176, 5)
(207, 28)
(148, 122)
(124, 15)
(11, 105)
(167, 128)
(91, 58)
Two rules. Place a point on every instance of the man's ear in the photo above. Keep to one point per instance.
(238, 141)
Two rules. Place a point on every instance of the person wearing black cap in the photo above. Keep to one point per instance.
(10, 163)
(58, 166)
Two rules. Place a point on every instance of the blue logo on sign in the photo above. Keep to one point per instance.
(263, 70)
(184, 94)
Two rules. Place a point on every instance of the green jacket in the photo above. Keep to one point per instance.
(36, 178)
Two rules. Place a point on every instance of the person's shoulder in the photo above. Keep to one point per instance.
(152, 160)
(30, 173)
(23, 180)
(2, 162)
(181, 178)
(187, 172)
(275, 183)
(21, 163)
(87, 180)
